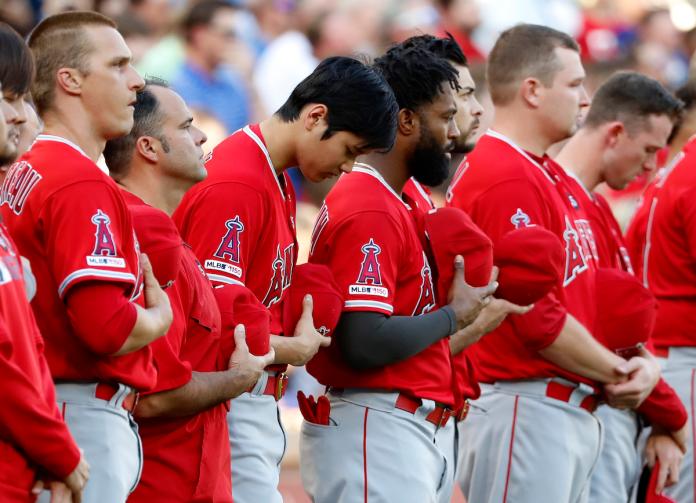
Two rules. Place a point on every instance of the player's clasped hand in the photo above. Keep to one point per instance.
(68, 490)
(467, 301)
(642, 374)
(246, 365)
(307, 339)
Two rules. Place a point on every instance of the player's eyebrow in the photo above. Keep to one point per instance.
(187, 122)
(120, 60)
(467, 90)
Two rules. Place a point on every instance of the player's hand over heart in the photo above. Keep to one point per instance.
(490, 317)
(156, 300)
(467, 301)
(246, 366)
(661, 446)
(307, 340)
(642, 372)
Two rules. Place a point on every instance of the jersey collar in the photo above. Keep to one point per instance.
(361, 167)
(251, 134)
(521, 151)
(101, 164)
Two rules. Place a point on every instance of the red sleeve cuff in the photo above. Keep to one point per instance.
(539, 328)
(664, 408)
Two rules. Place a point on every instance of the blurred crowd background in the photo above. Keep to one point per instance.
(236, 61)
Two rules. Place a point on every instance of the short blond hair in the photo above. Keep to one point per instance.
(61, 41)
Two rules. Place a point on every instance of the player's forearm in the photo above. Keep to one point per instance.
(286, 349)
(370, 340)
(150, 325)
(203, 391)
(577, 351)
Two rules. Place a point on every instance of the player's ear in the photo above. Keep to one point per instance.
(315, 114)
(70, 80)
(531, 90)
(409, 122)
(614, 130)
(147, 147)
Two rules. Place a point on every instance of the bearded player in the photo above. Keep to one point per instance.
(241, 224)
(532, 435)
(97, 303)
(388, 372)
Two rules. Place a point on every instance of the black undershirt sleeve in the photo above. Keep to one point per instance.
(368, 340)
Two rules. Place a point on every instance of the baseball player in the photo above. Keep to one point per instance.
(531, 436)
(682, 134)
(629, 122)
(389, 371)
(184, 415)
(668, 272)
(98, 304)
(241, 224)
(36, 443)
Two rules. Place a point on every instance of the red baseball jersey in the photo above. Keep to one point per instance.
(175, 467)
(636, 234)
(465, 380)
(663, 406)
(32, 433)
(670, 253)
(502, 188)
(69, 219)
(379, 268)
(609, 241)
(241, 220)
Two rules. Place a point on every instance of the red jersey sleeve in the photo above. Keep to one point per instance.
(87, 229)
(364, 257)
(225, 242)
(512, 205)
(28, 421)
(664, 408)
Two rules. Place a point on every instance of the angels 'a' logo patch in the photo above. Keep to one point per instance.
(369, 280)
(520, 219)
(104, 252)
(575, 258)
(228, 249)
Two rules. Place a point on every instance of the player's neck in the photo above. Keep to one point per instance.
(582, 155)
(279, 137)
(77, 131)
(392, 166)
(158, 191)
(524, 131)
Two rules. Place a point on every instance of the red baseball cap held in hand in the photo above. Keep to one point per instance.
(531, 261)
(626, 310)
(318, 281)
(240, 305)
(651, 495)
(451, 232)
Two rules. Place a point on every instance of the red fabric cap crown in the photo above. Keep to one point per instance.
(159, 239)
(238, 305)
(626, 310)
(451, 232)
(531, 261)
(318, 281)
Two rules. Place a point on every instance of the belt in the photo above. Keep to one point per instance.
(439, 416)
(106, 391)
(563, 393)
(276, 385)
(462, 411)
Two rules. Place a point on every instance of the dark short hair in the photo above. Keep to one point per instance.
(147, 121)
(523, 51)
(202, 14)
(16, 63)
(631, 97)
(415, 75)
(687, 95)
(445, 47)
(358, 98)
